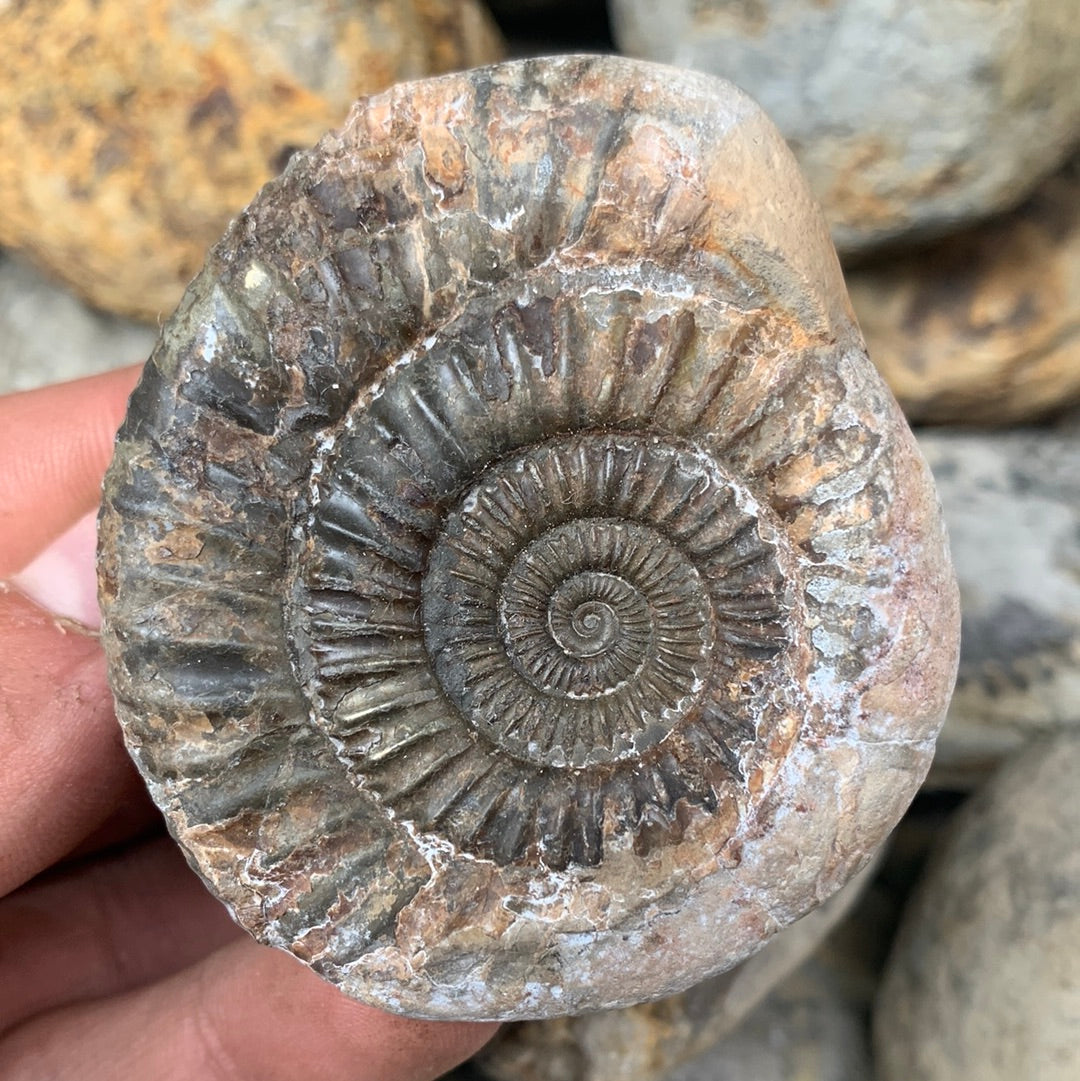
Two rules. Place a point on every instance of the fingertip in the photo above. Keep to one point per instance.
(55, 443)
(349, 1032)
(62, 578)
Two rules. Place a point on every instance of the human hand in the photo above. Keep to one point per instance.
(115, 962)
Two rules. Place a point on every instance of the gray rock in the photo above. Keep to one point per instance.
(807, 1030)
(984, 981)
(47, 335)
(1012, 508)
(908, 119)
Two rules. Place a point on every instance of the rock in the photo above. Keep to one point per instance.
(984, 327)
(984, 979)
(908, 119)
(807, 1030)
(648, 1041)
(1012, 508)
(521, 593)
(48, 335)
(133, 133)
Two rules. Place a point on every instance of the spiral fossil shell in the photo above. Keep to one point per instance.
(520, 591)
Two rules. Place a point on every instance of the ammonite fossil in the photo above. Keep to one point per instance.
(520, 591)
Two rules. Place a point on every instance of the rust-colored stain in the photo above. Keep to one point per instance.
(132, 134)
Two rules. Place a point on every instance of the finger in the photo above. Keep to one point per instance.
(104, 926)
(65, 771)
(62, 577)
(246, 1013)
(133, 819)
(54, 445)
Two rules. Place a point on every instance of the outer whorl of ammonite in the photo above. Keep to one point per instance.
(521, 593)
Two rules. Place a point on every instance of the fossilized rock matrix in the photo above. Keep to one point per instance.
(521, 593)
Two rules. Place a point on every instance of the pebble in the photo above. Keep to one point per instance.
(984, 979)
(909, 119)
(806, 1030)
(133, 133)
(983, 327)
(1012, 509)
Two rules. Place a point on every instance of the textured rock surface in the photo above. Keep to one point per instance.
(907, 119)
(1012, 508)
(807, 1030)
(983, 328)
(537, 385)
(133, 133)
(648, 1041)
(984, 980)
(48, 335)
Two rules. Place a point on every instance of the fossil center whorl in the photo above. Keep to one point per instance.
(570, 641)
(580, 636)
(580, 629)
(589, 613)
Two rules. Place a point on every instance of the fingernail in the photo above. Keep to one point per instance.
(63, 578)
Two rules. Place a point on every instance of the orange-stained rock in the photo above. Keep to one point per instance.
(133, 132)
(983, 328)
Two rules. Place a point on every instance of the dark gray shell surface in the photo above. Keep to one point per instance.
(521, 595)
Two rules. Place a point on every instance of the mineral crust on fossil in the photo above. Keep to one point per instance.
(521, 593)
